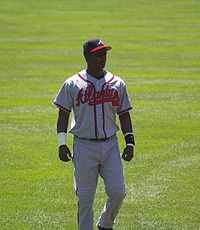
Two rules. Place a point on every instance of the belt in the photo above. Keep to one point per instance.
(96, 139)
(100, 139)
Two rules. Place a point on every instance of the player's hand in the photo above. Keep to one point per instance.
(128, 153)
(64, 153)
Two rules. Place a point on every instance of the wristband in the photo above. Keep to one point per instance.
(62, 138)
(128, 133)
(129, 138)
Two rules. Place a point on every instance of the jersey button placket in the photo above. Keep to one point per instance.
(96, 86)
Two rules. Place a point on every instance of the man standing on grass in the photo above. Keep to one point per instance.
(95, 96)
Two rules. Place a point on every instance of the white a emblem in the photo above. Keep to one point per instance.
(100, 42)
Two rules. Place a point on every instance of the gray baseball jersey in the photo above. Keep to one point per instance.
(94, 102)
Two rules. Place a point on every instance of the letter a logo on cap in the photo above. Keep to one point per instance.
(100, 42)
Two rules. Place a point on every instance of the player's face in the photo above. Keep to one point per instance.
(99, 59)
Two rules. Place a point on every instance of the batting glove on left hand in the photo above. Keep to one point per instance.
(128, 153)
(64, 153)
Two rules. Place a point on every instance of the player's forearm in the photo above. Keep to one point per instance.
(126, 127)
(62, 122)
(126, 123)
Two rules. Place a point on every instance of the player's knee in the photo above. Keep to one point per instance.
(86, 198)
(118, 195)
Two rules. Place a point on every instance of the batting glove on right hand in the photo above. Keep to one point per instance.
(64, 153)
(128, 153)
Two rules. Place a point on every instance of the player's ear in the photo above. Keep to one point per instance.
(87, 58)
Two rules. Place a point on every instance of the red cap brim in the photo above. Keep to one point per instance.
(100, 48)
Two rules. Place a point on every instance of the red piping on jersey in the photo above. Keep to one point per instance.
(86, 80)
(103, 112)
(124, 111)
(62, 108)
(95, 110)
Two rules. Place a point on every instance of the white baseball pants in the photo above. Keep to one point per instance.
(91, 159)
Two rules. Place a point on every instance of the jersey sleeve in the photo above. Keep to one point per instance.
(125, 104)
(63, 99)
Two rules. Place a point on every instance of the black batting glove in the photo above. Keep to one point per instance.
(64, 153)
(128, 153)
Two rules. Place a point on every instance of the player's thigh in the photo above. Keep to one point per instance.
(112, 172)
(85, 166)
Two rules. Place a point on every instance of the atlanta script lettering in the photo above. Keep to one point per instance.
(92, 97)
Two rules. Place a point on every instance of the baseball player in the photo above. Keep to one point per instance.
(95, 96)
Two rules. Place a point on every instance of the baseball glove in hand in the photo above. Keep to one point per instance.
(64, 153)
(128, 153)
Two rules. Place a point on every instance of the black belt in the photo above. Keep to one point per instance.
(100, 139)
(95, 139)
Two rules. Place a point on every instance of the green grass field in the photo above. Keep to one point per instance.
(156, 50)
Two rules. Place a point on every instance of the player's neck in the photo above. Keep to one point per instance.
(96, 73)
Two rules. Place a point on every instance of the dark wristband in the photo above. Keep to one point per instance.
(129, 138)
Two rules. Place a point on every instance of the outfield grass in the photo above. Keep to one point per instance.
(156, 50)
